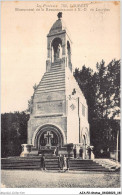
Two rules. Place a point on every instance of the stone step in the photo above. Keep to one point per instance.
(54, 90)
(51, 156)
(54, 80)
(55, 72)
(51, 166)
(51, 163)
(21, 165)
(94, 170)
(108, 163)
(62, 71)
(86, 165)
(51, 89)
(51, 160)
(56, 65)
(46, 87)
(56, 68)
(53, 76)
(21, 158)
(56, 62)
(24, 167)
(81, 161)
(51, 84)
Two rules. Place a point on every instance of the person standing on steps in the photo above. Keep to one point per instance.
(74, 150)
(81, 152)
(61, 162)
(64, 163)
(43, 162)
(67, 164)
(89, 153)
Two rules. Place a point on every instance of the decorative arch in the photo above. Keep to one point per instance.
(85, 137)
(56, 49)
(48, 127)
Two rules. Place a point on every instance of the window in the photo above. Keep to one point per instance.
(83, 110)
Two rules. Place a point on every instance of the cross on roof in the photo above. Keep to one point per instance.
(59, 15)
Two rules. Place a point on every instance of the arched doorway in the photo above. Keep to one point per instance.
(85, 140)
(48, 137)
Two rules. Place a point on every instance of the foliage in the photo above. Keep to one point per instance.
(102, 92)
(13, 133)
(30, 102)
(108, 89)
(87, 82)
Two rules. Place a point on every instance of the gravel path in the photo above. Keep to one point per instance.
(43, 179)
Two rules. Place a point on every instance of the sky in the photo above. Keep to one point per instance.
(95, 34)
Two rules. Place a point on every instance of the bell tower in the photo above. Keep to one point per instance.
(58, 45)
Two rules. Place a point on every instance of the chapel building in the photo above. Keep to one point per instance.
(59, 111)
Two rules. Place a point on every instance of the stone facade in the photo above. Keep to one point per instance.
(59, 111)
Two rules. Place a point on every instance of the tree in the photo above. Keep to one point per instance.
(87, 83)
(13, 133)
(108, 89)
(102, 92)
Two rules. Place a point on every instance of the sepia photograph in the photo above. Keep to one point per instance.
(60, 97)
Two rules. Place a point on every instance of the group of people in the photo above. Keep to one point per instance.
(63, 162)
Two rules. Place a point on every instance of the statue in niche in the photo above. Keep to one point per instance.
(57, 53)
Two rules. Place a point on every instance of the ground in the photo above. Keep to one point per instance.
(46, 179)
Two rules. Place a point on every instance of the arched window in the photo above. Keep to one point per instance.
(68, 52)
(56, 49)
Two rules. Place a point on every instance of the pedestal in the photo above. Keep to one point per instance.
(92, 154)
(26, 149)
(77, 151)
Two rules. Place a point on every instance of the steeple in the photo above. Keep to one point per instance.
(58, 44)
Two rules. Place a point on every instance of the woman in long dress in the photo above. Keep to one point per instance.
(61, 162)
(65, 162)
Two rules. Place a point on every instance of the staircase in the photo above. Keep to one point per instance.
(109, 164)
(21, 163)
(51, 163)
(86, 165)
(54, 80)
